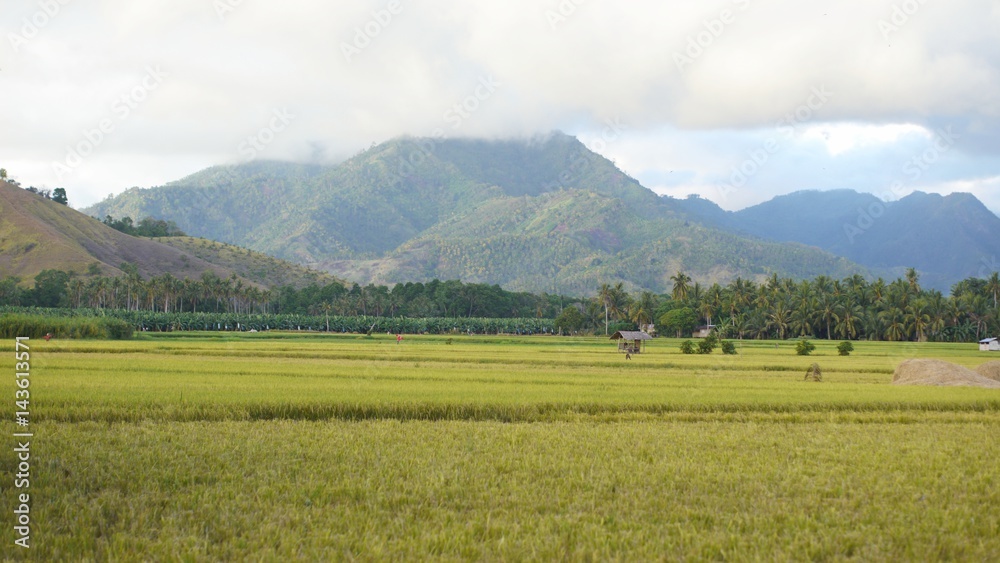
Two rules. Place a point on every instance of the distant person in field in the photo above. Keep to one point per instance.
(399, 338)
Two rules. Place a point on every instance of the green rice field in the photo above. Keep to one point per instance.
(268, 446)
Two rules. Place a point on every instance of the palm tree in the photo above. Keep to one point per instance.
(76, 289)
(620, 301)
(828, 312)
(643, 308)
(326, 307)
(917, 319)
(851, 315)
(937, 308)
(993, 286)
(778, 319)
(913, 280)
(604, 296)
(802, 317)
(712, 302)
(878, 290)
(976, 310)
(895, 324)
(680, 290)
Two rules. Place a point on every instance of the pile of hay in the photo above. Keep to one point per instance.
(937, 372)
(814, 373)
(990, 370)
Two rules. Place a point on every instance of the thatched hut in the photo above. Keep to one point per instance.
(630, 341)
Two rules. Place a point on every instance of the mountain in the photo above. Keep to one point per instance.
(540, 214)
(38, 234)
(946, 238)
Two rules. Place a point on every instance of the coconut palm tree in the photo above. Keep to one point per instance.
(851, 315)
(993, 286)
(779, 319)
(605, 295)
(895, 324)
(802, 318)
(827, 311)
(641, 311)
(680, 290)
(917, 319)
(913, 280)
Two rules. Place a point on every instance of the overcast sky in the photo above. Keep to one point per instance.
(735, 100)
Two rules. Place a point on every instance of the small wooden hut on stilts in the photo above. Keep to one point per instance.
(631, 341)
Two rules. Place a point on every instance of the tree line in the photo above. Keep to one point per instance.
(852, 308)
(57, 195)
(212, 293)
(147, 227)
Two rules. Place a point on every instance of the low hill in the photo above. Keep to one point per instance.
(38, 234)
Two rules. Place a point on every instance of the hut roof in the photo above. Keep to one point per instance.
(630, 335)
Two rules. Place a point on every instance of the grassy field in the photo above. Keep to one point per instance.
(231, 447)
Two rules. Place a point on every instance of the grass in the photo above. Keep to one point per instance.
(266, 446)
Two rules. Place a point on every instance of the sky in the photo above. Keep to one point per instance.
(737, 101)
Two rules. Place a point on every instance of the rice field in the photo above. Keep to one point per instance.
(210, 446)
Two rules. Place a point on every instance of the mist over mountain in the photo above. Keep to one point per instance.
(537, 214)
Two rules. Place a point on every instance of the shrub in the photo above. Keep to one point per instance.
(571, 319)
(708, 344)
(728, 347)
(845, 348)
(687, 347)
(804, 347)
(117, 329)
(37, 326)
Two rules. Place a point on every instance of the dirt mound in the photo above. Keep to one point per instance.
(990, 370)
(937, 372)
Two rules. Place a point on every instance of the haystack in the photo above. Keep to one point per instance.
(937, 372)
(990, 370)
(814, 373)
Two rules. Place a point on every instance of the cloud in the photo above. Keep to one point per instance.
(698, 85)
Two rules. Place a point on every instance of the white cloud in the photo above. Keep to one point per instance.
(843, 137)
(751, 67)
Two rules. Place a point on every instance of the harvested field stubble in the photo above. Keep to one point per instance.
(940, 373)
(990, 370)
(261, 447)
